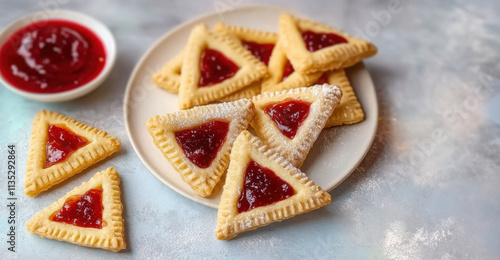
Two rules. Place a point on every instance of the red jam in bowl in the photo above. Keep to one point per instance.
(51, 56)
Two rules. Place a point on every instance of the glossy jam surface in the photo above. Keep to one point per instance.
(287, 70)
(260, 51)
(316, 41)
(51, 56)
(289, 115)
(83, 211)
(262, 187)
(202, 143)
(61, 142)
(215, 68)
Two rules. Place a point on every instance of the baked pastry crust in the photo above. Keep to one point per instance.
(38, 179)
(250, 35)
(109, 237)
(349, 110)
(162, 128)
(250, 69)
(329, 58)
(246, 34)
(323, 99)
(308, 196)
(276, 68)
(246, 92)
(169, 76)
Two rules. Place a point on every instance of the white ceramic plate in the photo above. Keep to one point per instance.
(336, 153)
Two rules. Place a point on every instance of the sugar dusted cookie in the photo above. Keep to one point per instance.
(291, 120)
(197, 142)
(261, 188)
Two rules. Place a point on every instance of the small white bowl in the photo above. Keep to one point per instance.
(102, 32)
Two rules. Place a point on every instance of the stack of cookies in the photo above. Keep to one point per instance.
(288, 86)
(304, 53)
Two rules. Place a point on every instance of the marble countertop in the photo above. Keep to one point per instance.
(428, 188)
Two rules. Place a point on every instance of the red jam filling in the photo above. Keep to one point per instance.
(61, 142)
(215, 68)
(323, 79)
(261, 188)
(202, 143)
(83, 211)
(51, 56)
(316, 41)
(260, 51)
(287, 70)
(288, 115)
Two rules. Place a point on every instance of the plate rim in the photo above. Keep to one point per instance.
(154, 46)
(373, 133)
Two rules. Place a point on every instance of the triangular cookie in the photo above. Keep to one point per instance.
(282, 75)
(169, 76)
(348, 111)
(89, 215)
(61, 147)
(246, 206)
(215, 66)
(197, 142)
(291, 120)
(327, 48)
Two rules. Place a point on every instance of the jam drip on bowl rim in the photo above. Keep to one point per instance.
(202, 143)
(288, 115)
(262, 187)
(82, 210)
(61, 143)
(215, 67)
(317, 41)
(51, 56)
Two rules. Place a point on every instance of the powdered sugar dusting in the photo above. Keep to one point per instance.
(203, 114)
(422, 243)
(322, 97)
(186, 237)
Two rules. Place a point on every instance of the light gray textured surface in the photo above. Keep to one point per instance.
(428, 189)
